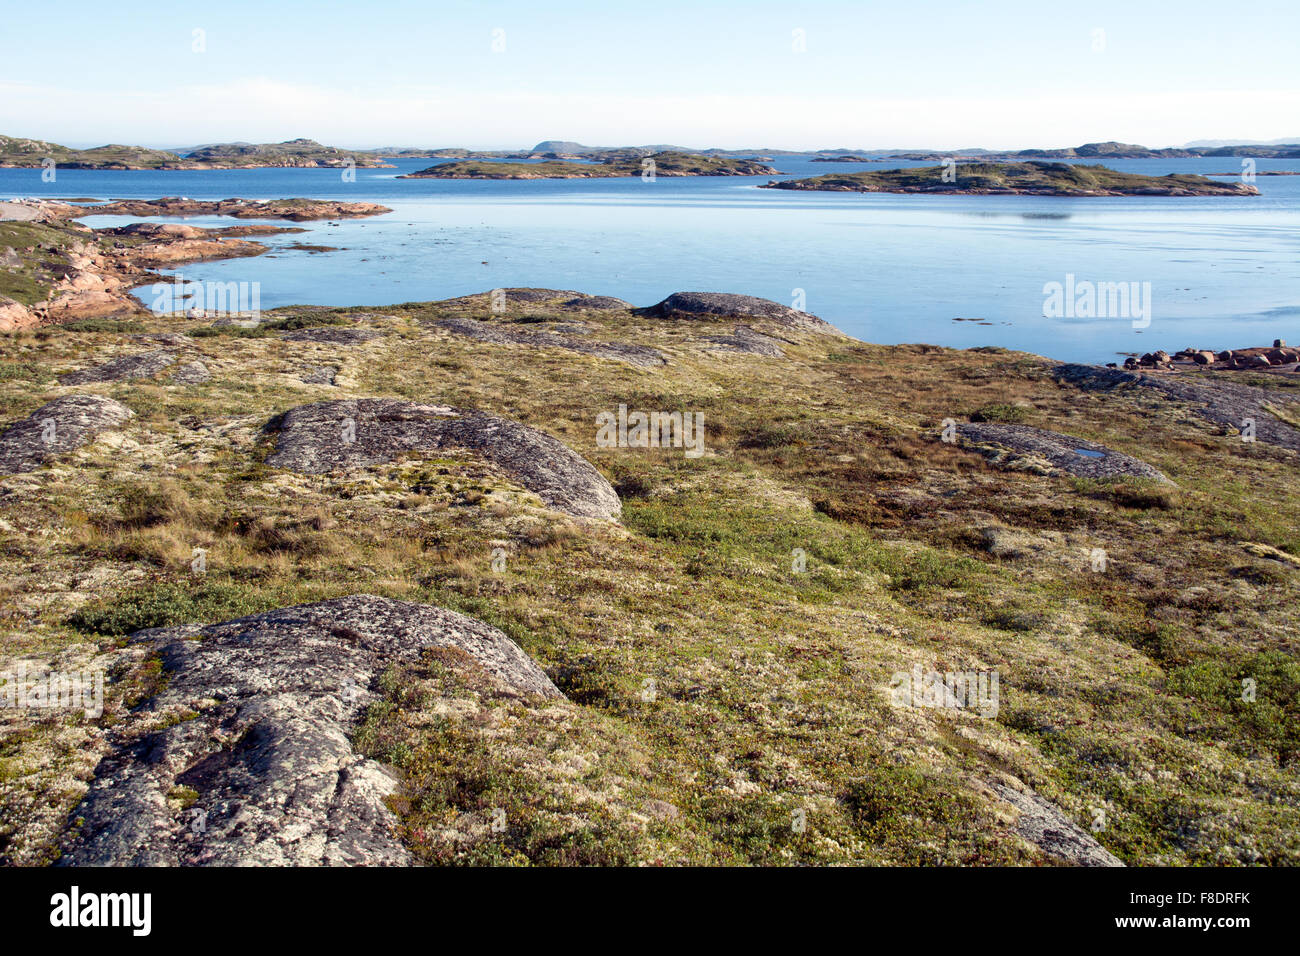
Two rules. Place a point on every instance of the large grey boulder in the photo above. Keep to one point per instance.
(56, 427)
(333, 436)
(260, 769)
(1025, 448)
(600, 303)
(698, 305)
(127, 366)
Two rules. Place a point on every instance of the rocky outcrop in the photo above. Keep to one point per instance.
(169, 230)
(640, 355)
(191, 373)
(260, 767)
(1278, 356)
(321, 375)
(744, 339)
(59, 426)
(1033, 449)
(601, 303)
(700, 305)
(333, 336)
(518, 296)
(338, 435)
(1040, 822)
(180, 251)
(90, 304)
(1231, 404)
(127, 366)
(14, 316)
(296, 210)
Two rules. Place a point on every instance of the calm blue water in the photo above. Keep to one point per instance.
(1224, 272)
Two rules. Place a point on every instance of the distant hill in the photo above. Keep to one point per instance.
(16, 152)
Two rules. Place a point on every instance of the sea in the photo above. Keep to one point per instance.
(959, 271)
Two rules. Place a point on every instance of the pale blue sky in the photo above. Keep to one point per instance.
(698, 73)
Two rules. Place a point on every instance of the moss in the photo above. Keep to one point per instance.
(164, 604)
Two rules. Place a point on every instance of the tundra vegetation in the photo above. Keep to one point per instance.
(725, 647)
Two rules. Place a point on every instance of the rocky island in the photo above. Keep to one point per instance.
(664, 164)
(1028, 178)
(21, 153)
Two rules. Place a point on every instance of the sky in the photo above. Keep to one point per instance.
(498, 74)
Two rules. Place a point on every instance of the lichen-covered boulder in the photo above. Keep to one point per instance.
(127, 366)
(259, 769)
(333, 436)
(56, 427)
(698, 305)
(191, 373)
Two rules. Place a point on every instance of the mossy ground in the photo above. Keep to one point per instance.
(715, 694)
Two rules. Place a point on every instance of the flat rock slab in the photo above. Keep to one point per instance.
(332, 436)
(1220, 402)
(19, 212)
(1044, 825)
(697, 305)
(143, 365)
(640, 355)
(191, 373)
(321, 375)
(1019, 446)
(334, 336)
(744, 339)
(59, 426)
(248, 322)
(172, 339)
(601, 303)
(267, 759)
(524, 296)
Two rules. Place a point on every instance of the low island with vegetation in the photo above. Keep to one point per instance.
(668, 163)
(1028, 178)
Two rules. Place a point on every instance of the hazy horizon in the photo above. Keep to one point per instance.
(171, 146)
